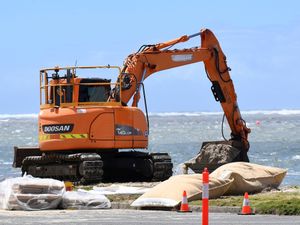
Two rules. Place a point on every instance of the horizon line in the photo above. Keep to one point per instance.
(179, 113)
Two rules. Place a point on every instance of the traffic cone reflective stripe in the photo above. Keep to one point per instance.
(184, 207)
(246, 209)
(184, 203)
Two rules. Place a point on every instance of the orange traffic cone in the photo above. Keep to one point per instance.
(246, 209)
(184, 207)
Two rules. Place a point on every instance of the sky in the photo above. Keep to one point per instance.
(261, 40)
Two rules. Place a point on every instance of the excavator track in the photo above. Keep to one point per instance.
(83, 168)
(89, 168)
(135, 166)
(162, 166)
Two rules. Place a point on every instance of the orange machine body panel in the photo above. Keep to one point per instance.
(109, 127)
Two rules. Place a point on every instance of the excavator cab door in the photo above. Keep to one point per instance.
(94, 93)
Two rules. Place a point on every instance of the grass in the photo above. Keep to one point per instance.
(86, 188)
(281, 203)
(123, 198)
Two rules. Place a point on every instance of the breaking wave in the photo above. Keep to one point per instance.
(296, 157)
(286, 112)
(165, 114)
(254, 112)
(17, 116)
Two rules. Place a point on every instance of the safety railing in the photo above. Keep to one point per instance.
(68, 91)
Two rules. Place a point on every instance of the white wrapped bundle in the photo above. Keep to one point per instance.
(30, 193)
(85, 200)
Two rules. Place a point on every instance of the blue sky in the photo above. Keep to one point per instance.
(261, 40)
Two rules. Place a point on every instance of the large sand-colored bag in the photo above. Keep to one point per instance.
(249, 177)
(169, 192)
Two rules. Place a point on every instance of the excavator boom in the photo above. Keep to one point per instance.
(154, 58)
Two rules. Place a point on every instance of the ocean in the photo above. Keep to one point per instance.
(274, 140)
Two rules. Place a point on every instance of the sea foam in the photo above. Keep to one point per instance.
(18, 116)
(252, 112)
(165, 114)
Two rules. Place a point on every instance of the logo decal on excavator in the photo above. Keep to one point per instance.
(57, 128)
(182, 58)
(124, 130)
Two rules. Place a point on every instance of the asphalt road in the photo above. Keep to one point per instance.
(134, 217)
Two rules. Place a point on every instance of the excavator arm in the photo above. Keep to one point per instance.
(154, 58)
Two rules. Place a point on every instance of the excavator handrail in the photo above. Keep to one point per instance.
(80, 67)
(45, 85)
(77, 103)
(81, 105)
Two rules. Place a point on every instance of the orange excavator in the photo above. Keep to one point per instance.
(89, 133)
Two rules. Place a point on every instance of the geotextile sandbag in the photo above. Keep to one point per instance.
(169, 193)
(85, 200)
(30, 193)
(249, 177)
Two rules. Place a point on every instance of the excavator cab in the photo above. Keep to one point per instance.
(59, 89)
(94, 93)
